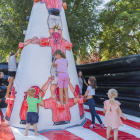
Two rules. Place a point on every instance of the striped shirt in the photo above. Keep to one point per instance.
(53, 4)
(62, 65)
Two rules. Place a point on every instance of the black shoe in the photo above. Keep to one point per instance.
(61, 122)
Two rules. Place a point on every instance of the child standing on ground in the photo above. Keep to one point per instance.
(63, 76)
(32, 115)
(89, 96)
(112, 114)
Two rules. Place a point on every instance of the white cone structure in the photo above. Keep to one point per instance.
(34, 70)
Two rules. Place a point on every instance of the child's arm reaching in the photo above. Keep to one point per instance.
(120, 113)
(17, 53)
(104, 109)
(54, 64)
(86, 94)
(39, 100)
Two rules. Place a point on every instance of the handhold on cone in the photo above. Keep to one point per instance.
(28, 17)
(36, 1)
(21, 45)
(44, 41)
(64, 6)
(68, 45)
(81, 100)
(9, 101)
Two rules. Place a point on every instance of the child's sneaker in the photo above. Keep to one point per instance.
(102, 126)
(92, 126)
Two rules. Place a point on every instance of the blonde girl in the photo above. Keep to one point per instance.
(112, 114)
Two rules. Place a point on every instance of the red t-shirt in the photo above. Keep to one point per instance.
(53, 4)
(59, 114)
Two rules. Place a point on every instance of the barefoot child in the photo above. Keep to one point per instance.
(112, 114)
(32, 115)
(63, 76)
(89, 96)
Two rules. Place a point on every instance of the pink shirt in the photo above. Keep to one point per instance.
(53, 4)
(62, 65)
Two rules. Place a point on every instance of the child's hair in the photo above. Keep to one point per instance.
(59, 52)
(11, 54)
(113, 94)
(81, 76)
(31, 92)
(1, 73)
(93, 83)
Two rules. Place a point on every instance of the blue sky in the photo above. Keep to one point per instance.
(102, 6)
(106, 1)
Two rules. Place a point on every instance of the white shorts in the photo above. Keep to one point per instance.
(54, 22)
(55, 81)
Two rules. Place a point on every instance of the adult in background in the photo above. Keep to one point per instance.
(81, 81)
(12, 68)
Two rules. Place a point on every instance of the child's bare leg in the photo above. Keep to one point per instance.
(9, 86)
(108, 132)
(115, 133)
(61, 95)
(35, 128)
(26, 129)
(51, 31)
(66, 95)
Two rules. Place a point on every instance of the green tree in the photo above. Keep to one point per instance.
(13, 21)
(81, 19)
(119, 29)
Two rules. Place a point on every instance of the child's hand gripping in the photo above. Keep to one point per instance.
(39, 94)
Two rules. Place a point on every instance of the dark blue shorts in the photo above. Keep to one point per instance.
(32, 117)
(12, 73)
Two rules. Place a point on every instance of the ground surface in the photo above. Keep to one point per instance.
(130, 130)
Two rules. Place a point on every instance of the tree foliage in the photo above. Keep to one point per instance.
(91, 58)
(80, 15)
(12, 23)
(119, 29)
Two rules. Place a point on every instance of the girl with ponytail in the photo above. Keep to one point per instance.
(112, 114)
(63, 77)
(89, 96)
